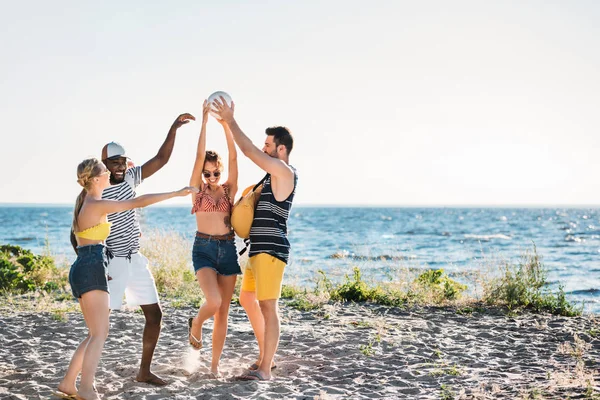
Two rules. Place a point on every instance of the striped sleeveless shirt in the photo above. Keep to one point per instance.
(268, 233)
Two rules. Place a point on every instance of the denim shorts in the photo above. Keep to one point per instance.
(219, 255)
(89, 270)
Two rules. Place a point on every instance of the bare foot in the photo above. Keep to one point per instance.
(151, 379)
(215, 374)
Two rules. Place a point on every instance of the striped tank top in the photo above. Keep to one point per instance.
(268, 233)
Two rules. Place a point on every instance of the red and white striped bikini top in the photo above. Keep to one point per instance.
(205, 203)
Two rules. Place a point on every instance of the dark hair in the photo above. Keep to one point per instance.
(281, 135)
(213, 157)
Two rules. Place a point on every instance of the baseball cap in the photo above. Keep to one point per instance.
(113, 150)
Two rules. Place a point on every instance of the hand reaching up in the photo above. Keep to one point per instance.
(205, 112)
(183, 119)
(220, 107)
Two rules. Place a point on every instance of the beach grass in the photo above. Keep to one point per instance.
(525, 286)
(169, 255)
(513, 288)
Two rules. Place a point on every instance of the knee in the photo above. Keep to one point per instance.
(213, 304)
(247, 299)
(98, 334)
(154, 317)
(268, 308)
(223, 310)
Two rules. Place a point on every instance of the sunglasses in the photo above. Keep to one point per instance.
(107, 172)
(216, 174)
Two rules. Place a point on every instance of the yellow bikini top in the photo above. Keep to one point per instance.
(96, 232)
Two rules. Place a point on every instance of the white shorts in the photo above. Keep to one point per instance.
(132, 279)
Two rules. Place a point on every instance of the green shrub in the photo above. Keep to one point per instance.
(353, 289)
(304, 303)
(391, 297)
(23, 271)
(431, 277)
(11, 278)
(440, 286)
(290, 292)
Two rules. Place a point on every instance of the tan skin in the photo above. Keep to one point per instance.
(152, 312)
(94, 304)
(214, 223)
(272, 159)
(264, 314)
(217, 289)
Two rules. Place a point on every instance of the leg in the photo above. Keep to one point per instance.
(139, 287)
(226, 288)
(268, 272)
(270, 313)
(153, 315)
(207, 279)
(94, 305)
(67, 385)
(250, 304)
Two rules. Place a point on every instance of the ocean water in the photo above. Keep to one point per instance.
(381, 240)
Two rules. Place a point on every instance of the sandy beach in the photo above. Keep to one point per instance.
(340, 351)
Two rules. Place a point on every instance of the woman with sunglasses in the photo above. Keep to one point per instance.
(214, 253)
(87, 276)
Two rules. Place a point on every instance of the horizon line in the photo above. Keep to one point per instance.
(352, 205)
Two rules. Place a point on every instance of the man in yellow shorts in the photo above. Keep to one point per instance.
(269, 245)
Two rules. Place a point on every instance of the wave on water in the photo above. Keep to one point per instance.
(487, 238)
(571, 238)
(350, 256)
(586, 291)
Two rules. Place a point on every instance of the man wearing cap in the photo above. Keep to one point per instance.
(128, 272)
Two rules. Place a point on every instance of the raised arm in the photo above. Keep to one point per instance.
(164, 153)
(232, 176)
(267, 163)
(196, 179)
(112, 206)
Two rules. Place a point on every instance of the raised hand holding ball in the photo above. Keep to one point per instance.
(217, 96)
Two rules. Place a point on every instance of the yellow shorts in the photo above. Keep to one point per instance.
(263, 274)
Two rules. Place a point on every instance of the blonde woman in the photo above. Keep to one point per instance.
(87, 276)
(214, 253)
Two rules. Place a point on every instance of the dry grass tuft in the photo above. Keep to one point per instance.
(170, 256)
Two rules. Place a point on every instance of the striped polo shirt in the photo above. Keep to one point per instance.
(124, 238)
(268, 233)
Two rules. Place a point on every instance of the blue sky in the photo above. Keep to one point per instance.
(396, 102)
